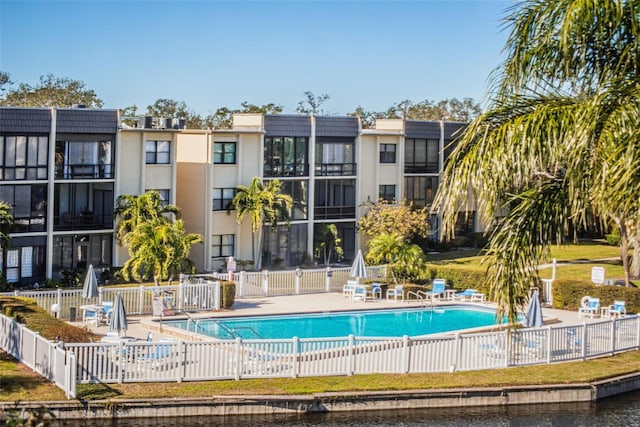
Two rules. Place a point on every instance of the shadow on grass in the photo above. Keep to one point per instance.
(95, 392)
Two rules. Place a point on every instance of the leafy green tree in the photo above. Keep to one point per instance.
(133, 211)
(327, 242)
(263, 204)
(402, 219)
(311, 104)
(160, 249)
(559, 142)
(50, 91)
(405, 260)
(223, 117)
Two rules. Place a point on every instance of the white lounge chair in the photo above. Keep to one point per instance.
(437, 290)
(395, 292)
(464, 295)
(348, 289)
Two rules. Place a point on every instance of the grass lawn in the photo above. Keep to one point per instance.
(19, 384)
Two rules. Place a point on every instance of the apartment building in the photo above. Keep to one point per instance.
(61, 171)
(330, 166)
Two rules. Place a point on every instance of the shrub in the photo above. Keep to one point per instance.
(568, 293)
(227, 294)
(461, 279)
(612, 239)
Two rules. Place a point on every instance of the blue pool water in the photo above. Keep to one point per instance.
(374, 323)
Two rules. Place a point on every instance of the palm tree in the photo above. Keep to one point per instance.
(6, 221)
(560, 141)
(135, 210)
(263, 204)
(404, 259)
(158, 249)
(328, 241)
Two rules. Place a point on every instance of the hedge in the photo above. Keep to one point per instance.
(568, 293)
(27, 312)
(227, 294)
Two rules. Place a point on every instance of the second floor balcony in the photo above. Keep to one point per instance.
(336, 169)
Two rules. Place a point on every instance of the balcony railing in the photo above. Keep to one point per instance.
(83, 221)
(85, 171)
(334, 212)
(336, 169)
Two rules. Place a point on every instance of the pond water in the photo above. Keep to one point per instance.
(622, 410)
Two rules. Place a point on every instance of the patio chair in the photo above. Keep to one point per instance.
(437, 290)
(590, 307)
(395, 292)
(348, 289)
(464, 295)
(374, 292)
(158, 354)
(617, 309)
(359, 292)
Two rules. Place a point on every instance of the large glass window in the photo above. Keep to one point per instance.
(421, 155)
(285, 156)
(388, 153)
(284, 246)
(84, 159)
(222, 245)
(388, 193)
(23, 157)
(298, 190)
(83, 205)
(335, 159)
(157, 152)
(335, 199)
(29, 206)
(77, 251)
(224, 152)
(420, 189)
(222, 198)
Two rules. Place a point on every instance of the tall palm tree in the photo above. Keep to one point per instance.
(132, 211)
(560, 140)
(263, 204)
(6, 222)
(158, 249)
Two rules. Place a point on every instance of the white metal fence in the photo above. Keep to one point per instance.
(294, 282)
(45, 357)
(298, 357)
(201, 295)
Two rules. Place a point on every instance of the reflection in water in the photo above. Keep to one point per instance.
(623, 410)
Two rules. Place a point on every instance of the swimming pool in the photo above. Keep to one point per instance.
(372, 323)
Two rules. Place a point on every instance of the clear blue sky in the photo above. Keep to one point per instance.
(220, 53)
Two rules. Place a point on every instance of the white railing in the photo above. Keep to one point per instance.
(45, 357)
(241, 358)
(201, 296)
(294, 282)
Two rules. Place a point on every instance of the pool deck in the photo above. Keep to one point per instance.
(139, 326)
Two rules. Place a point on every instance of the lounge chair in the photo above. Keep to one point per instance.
(437, 290)
(617, 309)
(464, 295)
(590, 307)
(395, 292)
(359, 292)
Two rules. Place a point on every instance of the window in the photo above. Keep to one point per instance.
(23, 157)
(388, 193)
(222, 198)
(285, 156)
(298, 192)
(387, 153)
(28, 203)
(420, 190)
(421, 155)
(164, 195)
(335, 199)
(224, 153)
(335, 158)
(157, 152)
(222, 245)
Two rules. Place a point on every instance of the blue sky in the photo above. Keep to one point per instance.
(211, 54)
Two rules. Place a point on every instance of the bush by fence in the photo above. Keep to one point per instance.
(568, 293)
(228, 294)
